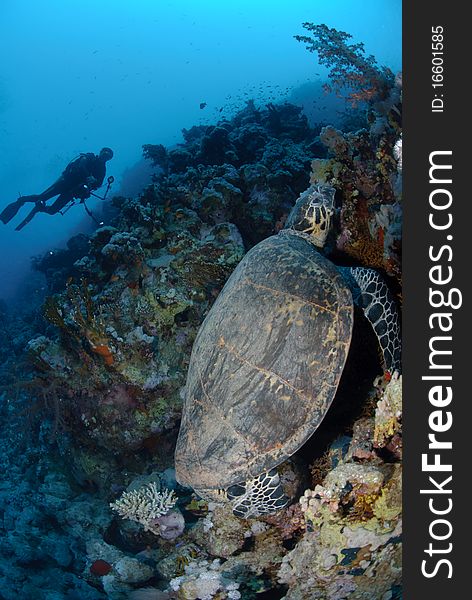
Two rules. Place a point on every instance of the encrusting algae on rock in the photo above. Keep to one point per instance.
(134, 341)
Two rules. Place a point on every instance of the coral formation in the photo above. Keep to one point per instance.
(388, 424)
(204, 581)
(145, 505)
(353, 531)
(132, 329)
(348, 65)
(362, 164)
(361, 167)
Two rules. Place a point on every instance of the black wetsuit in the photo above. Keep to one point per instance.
(71, 183)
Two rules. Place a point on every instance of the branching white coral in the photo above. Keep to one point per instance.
(145, 505)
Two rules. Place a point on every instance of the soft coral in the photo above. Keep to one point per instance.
(349, 67)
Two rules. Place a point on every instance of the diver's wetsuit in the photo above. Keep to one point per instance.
(81, 176)
(70, 183)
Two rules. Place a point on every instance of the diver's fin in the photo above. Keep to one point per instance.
(28, 218)
(10, 211)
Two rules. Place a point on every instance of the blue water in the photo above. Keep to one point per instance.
(79, 75)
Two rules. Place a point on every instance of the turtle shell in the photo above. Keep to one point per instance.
(265, 364)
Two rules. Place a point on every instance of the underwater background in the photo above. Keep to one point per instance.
(219, 120)
(78, 76)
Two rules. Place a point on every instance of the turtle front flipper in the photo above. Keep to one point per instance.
(258, 496)
(370, 292)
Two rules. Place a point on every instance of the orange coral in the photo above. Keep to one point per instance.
(104, 351)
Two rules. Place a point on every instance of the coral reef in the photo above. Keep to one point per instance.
(130, 326)
(58, 265)
(248, 170)
(352, 544)
(364, 165)
(129, 297)
(387, 427)
(93, 381)
(361, 167)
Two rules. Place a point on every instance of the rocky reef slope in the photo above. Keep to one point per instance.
(96, 408)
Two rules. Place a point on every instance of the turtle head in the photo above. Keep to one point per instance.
(313, 212)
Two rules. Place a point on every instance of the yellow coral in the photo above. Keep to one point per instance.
(388, 506)
(388, 413)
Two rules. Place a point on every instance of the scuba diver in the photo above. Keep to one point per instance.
(78, 180)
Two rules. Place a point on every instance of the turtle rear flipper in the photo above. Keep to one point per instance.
(259, 496)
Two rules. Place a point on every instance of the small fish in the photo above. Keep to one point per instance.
(202, 105)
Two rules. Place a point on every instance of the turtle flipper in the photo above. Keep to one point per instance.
(258, 496)
(371, 293)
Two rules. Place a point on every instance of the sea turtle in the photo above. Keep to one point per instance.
(268, 358)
